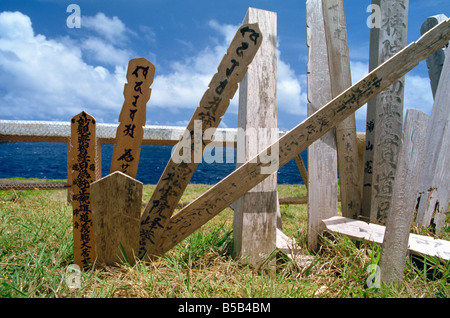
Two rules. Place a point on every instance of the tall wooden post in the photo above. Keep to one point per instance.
(84, 172)
(433, 194)
(322, 154)
(384, 113)
(255, 213)
(400, 216)
(341, 79)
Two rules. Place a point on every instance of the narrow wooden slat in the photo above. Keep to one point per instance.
(302, 169)
(322, 154)
(84, 170)
(400, 216)
(132, 118)
(300, 137)
(384, 113)
(213, 105)
(341, 79)
(116, 213)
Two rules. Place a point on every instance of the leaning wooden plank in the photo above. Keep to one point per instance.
(384, 113)
(401, 213)
(116, 213)
(322, 154)
(83, 152)
(132, 118)
(433, 190)
(180, 168)
(341, 79)
(362, 231)
(302, 169)
(232, 187)
(435, 62)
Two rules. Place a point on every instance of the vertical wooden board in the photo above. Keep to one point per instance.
(322, 155)
(132, 118)
(84, 171)
(116, 211)
(434, 180)
(436, 61)
(215, 101)
(384, 113)
(221, 195)
(255, 216)
(400, 216)
(340, 79)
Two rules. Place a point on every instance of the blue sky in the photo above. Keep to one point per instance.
(51, 72)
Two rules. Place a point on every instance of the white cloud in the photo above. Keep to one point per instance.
(111, 29)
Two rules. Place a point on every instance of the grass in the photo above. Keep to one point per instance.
(37, 249)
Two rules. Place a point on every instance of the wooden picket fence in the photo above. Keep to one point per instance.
(383, 176)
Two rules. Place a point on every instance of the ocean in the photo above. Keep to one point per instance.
(48, 161)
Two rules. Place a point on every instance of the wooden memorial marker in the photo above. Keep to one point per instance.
(384, 113)
(433, 194)
(255, 213)
(436, 61)
(84, 170)
(132, 118)
(116, 207)
(400, 216)
(322, 154)
(214, 103)
(220, 196)
(341, 79)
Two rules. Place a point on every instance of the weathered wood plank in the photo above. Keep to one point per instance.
(116, 213)
(435, 62)
(359, 231)
(255, 219)
(221, 195)
(213, 105)
(433, 190)
(84, 170)
(302, 169)
(384, 113)
(132, 118)
(401, 213)
(322, 154)
(341, 79)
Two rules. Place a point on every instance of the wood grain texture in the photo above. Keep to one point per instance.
(322, 154)
(221, 195)
(125, 158)
(401, 213)
(433, 190)
(384, 113)
(255, 214)
(302, 169)
(84, 170)
(116, 212)
(213, 105)
(341, 79)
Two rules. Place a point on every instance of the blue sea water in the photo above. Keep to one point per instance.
(48, 161)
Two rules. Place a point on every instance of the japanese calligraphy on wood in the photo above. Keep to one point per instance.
(255, 219)
(340, 79)
(400, 216)
(213, 105)
(322, 155)
(384, 113)
(83, 153)
(116, 214)
(132, 118)
(220, 196)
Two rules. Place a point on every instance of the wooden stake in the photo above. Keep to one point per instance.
(213, 105)
(341, 79)
(84, 171)
(132, 118)
(116, 213)
(400, 216)
(384, 113)
(302, 169)
(322, 155)
(220, 196)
